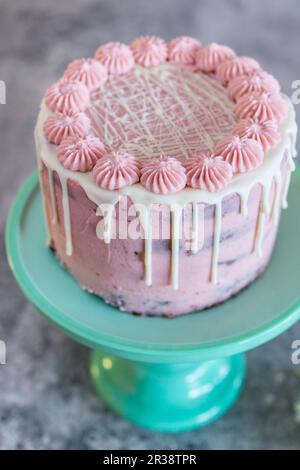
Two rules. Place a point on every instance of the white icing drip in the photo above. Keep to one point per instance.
(293, 136)
(148, 248)
(265, 197)
(52, 197)
(240, 184)
(261, 222)
(145, 219)
(195, 228)
(276, 203)
(105, 207)
(216, 242)
(67, 217)
(244, 203)
(285, 191)
(290, 168)
(260, 230)
(107, 210)
(290, 161)
(176, 211)
(40, 168)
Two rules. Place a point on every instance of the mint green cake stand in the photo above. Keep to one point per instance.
(164, 374)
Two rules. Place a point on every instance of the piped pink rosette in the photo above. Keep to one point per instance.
(116, 171)
(271, 106)
(59, 126)
(208, 172)
(183, 50)
(88, 71)
(116, 57)
(208, 58)
(149, 51)
(232, 68)
(66, 96)
(257, 82)
(80, 154)
(163, 175)
(264, 132)
(242, 154)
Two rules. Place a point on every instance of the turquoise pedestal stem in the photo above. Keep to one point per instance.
(168, 397)
(163, 374)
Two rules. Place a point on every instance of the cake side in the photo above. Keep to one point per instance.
(116, 271)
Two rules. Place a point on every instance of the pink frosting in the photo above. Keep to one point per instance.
(149, 51)
(265, 132)
(210, 57)
(255, 82)
(235, 67)
(80, 153)
(88, 71)
(59, 126)
(262, 106)
(242, 154)
(66, 96)
(182, 50)
(116, 57)
(208, 172)
(116, 170)
(163, 175)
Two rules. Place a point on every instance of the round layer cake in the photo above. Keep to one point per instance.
(164, 168)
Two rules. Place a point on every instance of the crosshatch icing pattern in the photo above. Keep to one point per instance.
(153, 112)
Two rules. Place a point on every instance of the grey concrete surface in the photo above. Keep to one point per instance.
(46, 400)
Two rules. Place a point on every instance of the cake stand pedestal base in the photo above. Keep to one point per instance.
(168, 397)
(164, 374)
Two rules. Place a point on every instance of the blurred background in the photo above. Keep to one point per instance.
(46, 400)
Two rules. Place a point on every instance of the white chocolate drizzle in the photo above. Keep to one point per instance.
(148, 247)
(260, 233)
(40, 168)
(244, 203)
(216, 242)
(67, 216)
(52, 197)
(285, 191)
(241, 184)
(176, 212)
(276, 203)
(107, 210)
(264, 210)
(155, 111)
(195, 228)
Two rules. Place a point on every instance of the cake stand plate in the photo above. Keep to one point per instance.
(165, 374)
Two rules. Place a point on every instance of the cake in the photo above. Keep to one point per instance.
(164, 167)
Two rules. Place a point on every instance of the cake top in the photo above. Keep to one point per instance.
(164, 115)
